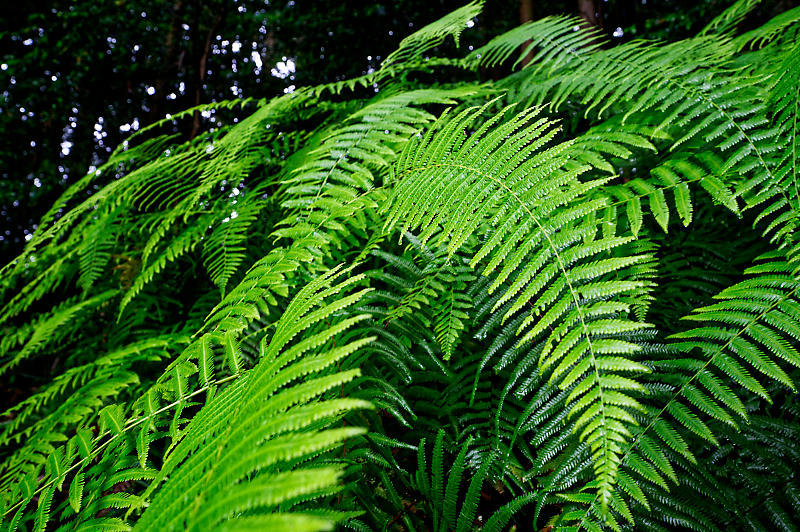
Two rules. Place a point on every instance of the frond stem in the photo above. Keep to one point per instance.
(131, 424)
(559, 260)
(656, 417)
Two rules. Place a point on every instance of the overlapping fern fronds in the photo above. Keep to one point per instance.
(253, 441)
(573, 300)
(506, 178)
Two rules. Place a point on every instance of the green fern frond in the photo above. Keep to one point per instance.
(434, 34)
(56, 326)
(496, 178)
(193, 465)
(553, 39)
(731, 17)
(746, 333)
(224, 250)
(778, 26)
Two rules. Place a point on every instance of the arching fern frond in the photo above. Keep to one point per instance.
(672, 177)
(501, 179)
(434, 34)
(777, 27)
(728, 19)
(221, 446)
(328, 185)
(224, 249)
(745, 340)
(61, 323)
(780, 215)
(554, 39)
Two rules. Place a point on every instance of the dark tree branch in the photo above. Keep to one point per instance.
(201, 68)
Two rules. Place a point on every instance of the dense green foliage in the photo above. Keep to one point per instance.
(566, 297)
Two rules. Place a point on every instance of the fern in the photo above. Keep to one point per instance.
(485, 185)
(224, 428)
(223, 249)
(434, 34)
(571, 301)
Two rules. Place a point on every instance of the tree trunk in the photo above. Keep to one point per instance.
(170, 66)
(526, 15)
(590, 11)
(201, 70)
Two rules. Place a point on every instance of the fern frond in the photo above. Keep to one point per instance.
(444, 495)
(434, 34)
(777, 26)
(731, 17)
(553, 38)
(59, 324)
(458, 184)
(751, 328)
(221, 438)
(96, 250)
(224, 250)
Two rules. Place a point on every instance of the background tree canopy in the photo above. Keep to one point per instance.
(518, 271)
(79, 77)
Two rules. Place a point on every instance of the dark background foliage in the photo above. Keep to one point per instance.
(80, 76)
